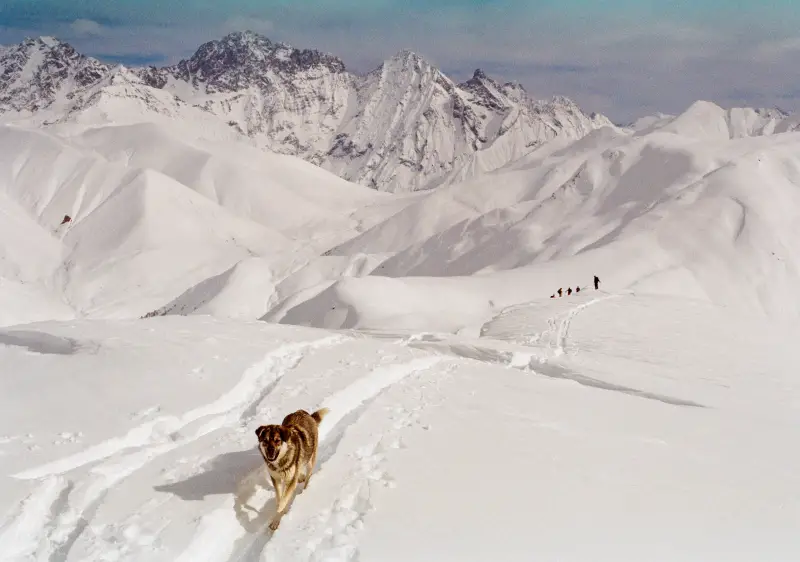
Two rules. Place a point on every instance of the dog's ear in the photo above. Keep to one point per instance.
(284, 431)
(260, 432)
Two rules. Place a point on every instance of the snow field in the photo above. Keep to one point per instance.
(440, 446)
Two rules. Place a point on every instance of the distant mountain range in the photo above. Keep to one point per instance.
(404, 126)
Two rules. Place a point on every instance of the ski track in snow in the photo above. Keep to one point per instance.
(557, 330)
(536, 363)
(50, 519)
(332, 534)
(563, 326)
(251, 539)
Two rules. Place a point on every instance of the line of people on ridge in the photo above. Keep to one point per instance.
(560, 291)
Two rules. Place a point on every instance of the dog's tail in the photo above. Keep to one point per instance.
(319, 414)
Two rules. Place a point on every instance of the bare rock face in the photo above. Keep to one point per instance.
(239, 61)
(404, 126)
(39, 72)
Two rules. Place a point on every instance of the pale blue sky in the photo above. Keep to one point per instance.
(625, 58)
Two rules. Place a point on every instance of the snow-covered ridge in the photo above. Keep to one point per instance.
(403, 126)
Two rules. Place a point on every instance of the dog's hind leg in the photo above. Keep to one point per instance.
(310, 469)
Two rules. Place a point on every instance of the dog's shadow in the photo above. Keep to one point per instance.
(240, 473)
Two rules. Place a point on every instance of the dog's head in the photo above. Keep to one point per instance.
(272, 440)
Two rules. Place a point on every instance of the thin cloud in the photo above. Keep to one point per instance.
(87, 28)
(771, 50)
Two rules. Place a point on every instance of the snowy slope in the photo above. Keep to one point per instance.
(610, 416)
(687, 210)
(404, 126)
(153, 214)
(29, 259)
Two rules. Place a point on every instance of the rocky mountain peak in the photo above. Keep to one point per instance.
(243, 59)
(408, 59)
(484, 91)
(34, 73)
(479, 75)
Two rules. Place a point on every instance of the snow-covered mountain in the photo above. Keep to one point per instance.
(404, 126)
(657, 408)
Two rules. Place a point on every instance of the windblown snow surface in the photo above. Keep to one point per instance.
(472, 417)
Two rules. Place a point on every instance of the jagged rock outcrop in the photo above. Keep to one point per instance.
(41, 72)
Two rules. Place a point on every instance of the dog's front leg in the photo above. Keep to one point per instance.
(278, 501)
(289, 491)
(284, 499)
(283, 503)
(277, 489)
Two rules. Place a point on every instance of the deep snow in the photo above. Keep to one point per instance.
(611, 427)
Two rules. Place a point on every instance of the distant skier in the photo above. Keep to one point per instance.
(569, 291)
(596, 282)
(559, 293)
(66, 219)
(553, 296)
(577, 289)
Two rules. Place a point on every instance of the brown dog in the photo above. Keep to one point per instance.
(290, 451)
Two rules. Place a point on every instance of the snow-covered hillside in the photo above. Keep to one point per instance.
(152, 215)
(404, 126)
(165, 222)
(681, 210)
